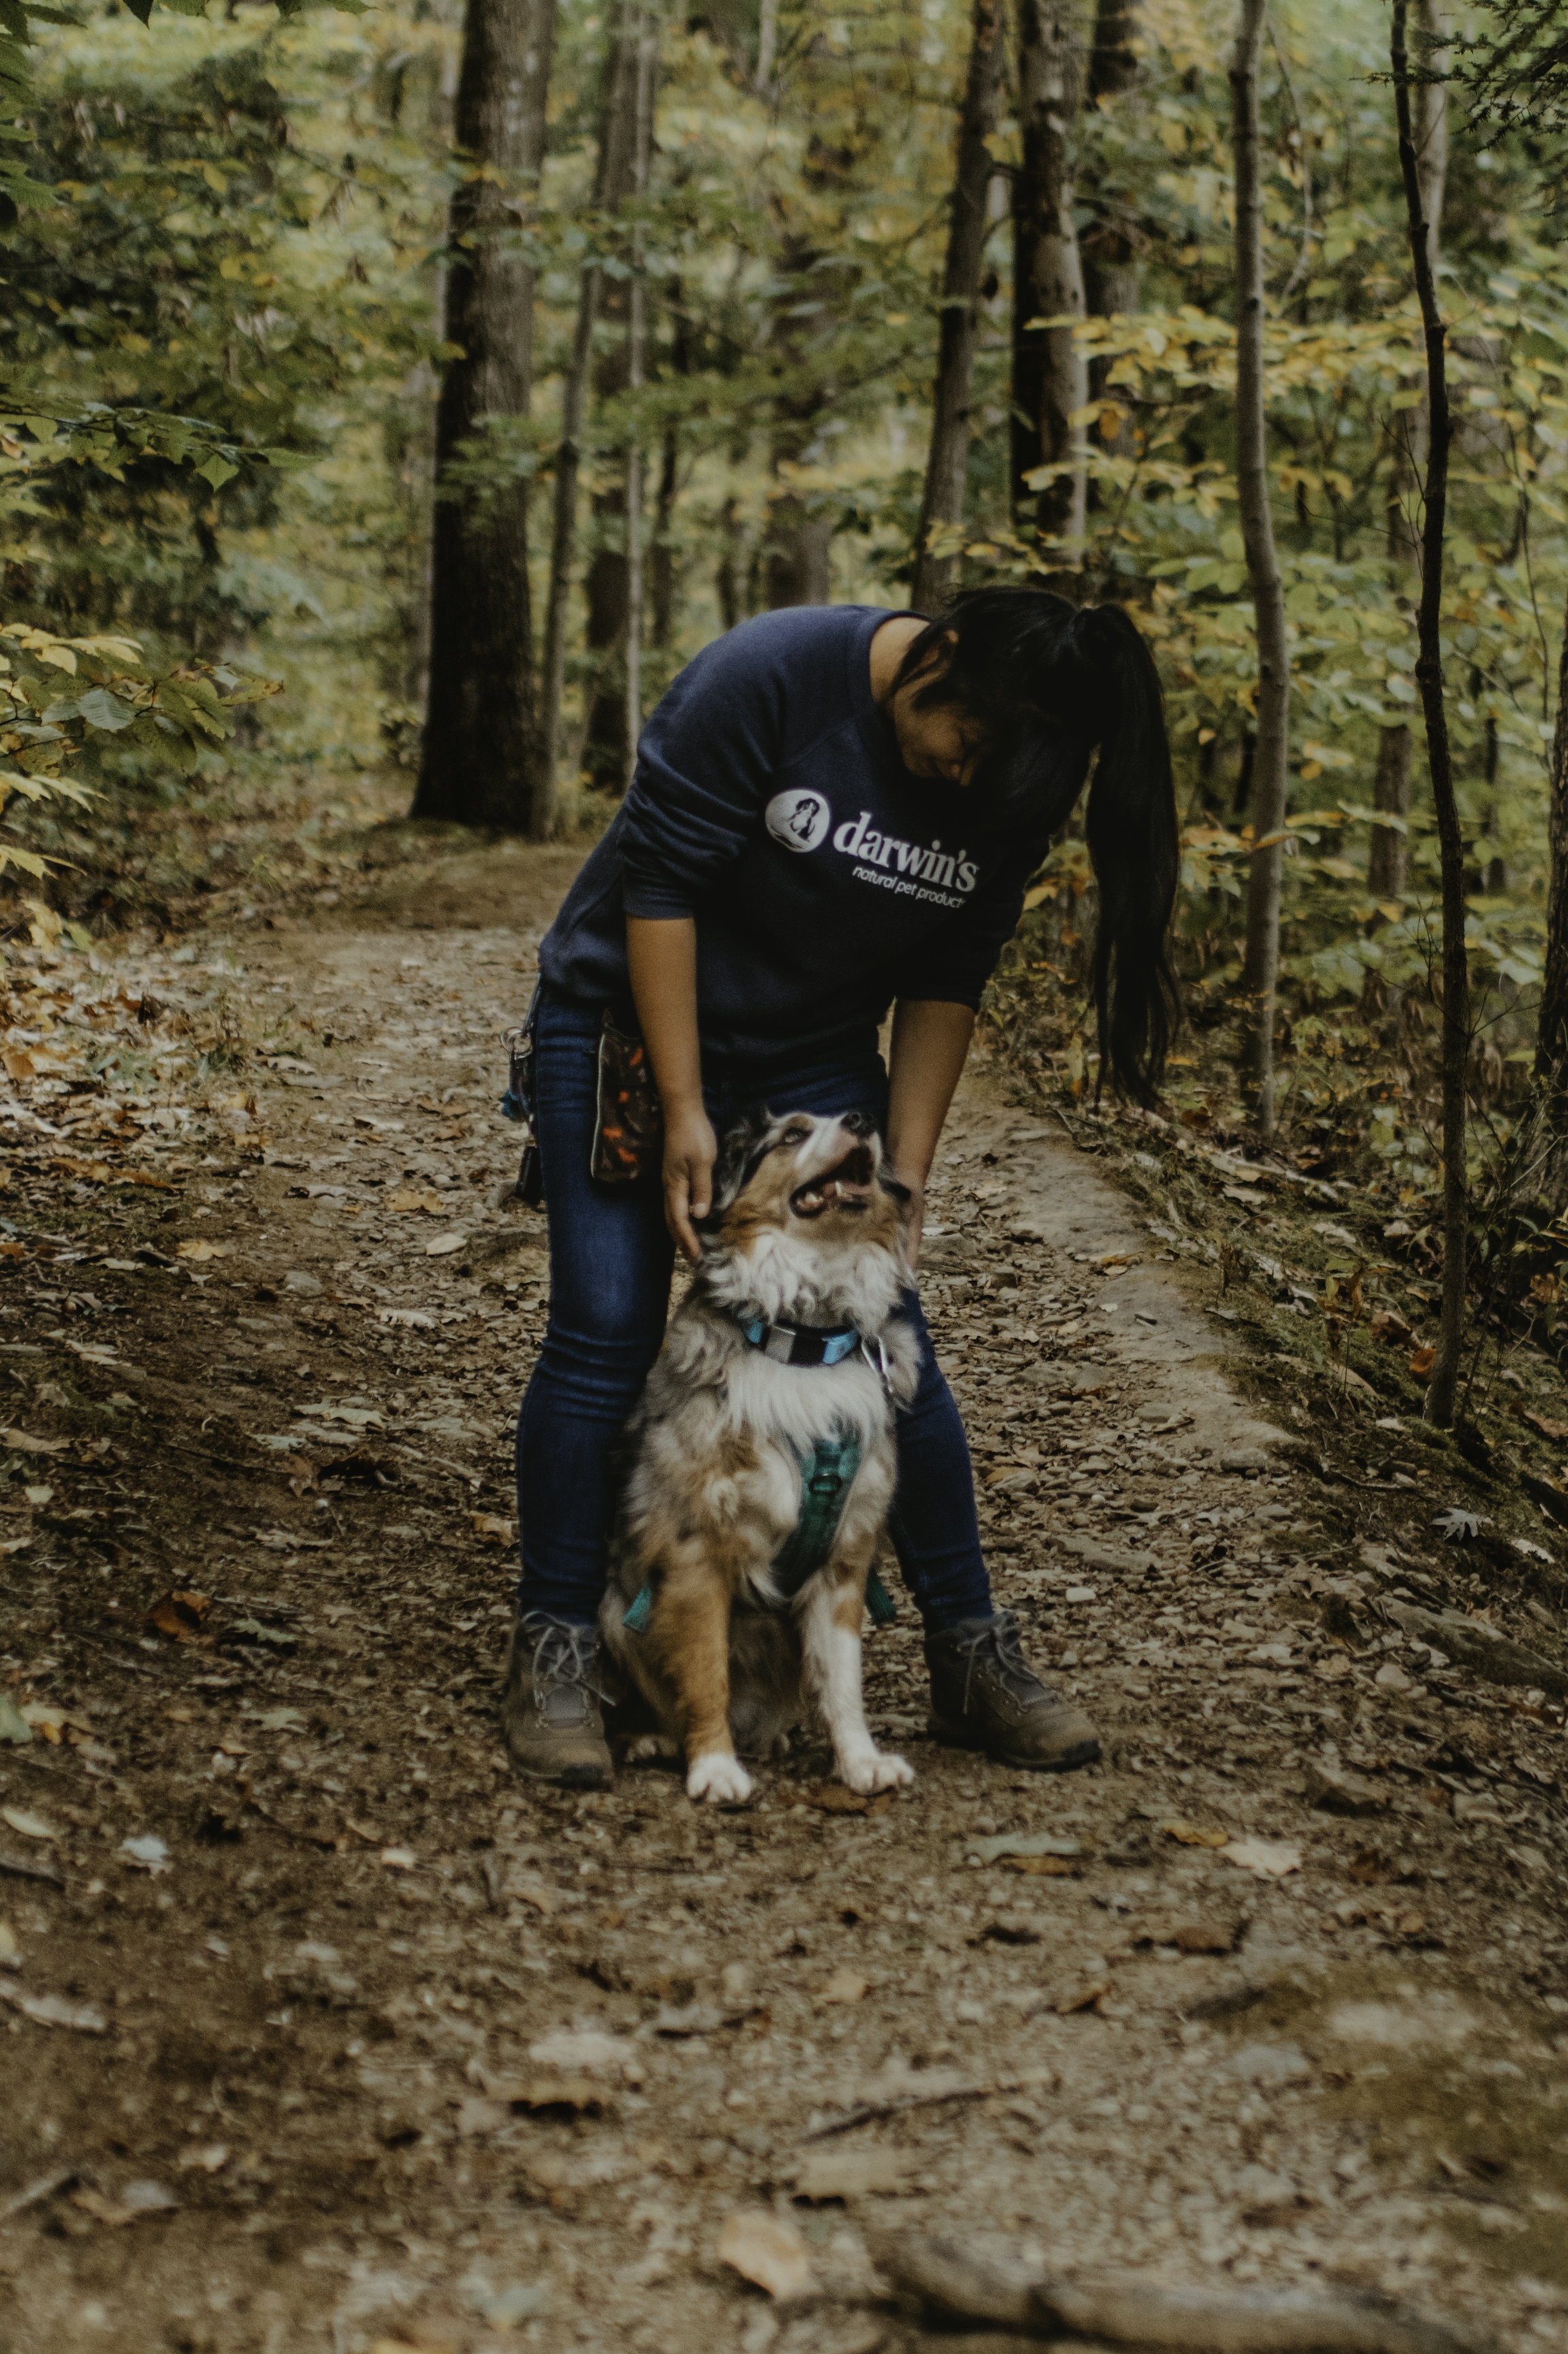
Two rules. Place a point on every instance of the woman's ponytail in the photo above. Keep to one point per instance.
(1049, 680)
(1131, 829)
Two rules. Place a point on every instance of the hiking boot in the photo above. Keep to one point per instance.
(984, 1695)
(550, 1712)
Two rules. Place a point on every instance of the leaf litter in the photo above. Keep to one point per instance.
(398, 1603)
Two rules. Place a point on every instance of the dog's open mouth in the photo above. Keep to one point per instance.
(847, 1187)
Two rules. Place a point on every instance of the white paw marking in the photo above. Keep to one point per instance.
(649, 1746)
(719, 1778)
(877, 1772)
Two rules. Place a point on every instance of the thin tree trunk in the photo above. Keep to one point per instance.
(605, 753)
(947, 465)
(1386, 863)
(636, 329)
(616, 118)
(1429, 681)
(1270, 778)
(662, 581)
(1112, 275)
(1551, 1032)
(1050, 378)
(481, 756)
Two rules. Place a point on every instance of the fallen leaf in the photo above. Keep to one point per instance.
(210, 2157)
(30, 1826)
(835, 1798)
(1270, 1859)
(588, 2048)
(762, 2249)
(1043, 1866)
(399, 1859)
(1421, 1362)
(1558, 1430)
(407, 1198)
(1386, 1325)
(55, 2010)
(493, 1528)
(180, 1613)
(851, 2173)
(440, 1245)
(199, 1248)
(21, 1442)
(14, 1726)
(845, 1986)
(533, 1891)
(1202, 1938)
(1456, 1523)
(1025, 1844)
(1195, 1835)
(1084, 1997)
(147, 1853)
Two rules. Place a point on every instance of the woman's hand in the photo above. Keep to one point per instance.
(691, 1148)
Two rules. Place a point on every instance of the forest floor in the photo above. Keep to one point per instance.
(322, 2031)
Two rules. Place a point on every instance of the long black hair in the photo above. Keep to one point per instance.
(1048, 680)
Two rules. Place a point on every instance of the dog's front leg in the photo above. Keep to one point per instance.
(691, 1630)
(830, 1635)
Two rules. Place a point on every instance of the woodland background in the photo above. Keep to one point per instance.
(460, 377)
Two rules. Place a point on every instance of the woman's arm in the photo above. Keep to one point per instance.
(931, 1041)
(662, 961)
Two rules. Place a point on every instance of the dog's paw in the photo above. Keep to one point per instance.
(649, 1748)
(718, 1777)
(877, 1772)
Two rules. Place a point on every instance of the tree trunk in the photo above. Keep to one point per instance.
(947, 465)
(1270, 778)
(605, 753)
(636, 332)
(617, 124)
(1386, 864)
(662, 577)
(481, 757)
(1390, 794)
(1112, 274)
(1429, 681)
(1551, 1032)
(1050, 378)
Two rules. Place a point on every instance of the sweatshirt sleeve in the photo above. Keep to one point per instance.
(704, 763)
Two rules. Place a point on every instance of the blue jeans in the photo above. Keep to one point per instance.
(611, 1262)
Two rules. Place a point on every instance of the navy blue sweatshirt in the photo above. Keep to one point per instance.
(769, 802)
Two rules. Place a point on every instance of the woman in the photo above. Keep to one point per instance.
(835, 809)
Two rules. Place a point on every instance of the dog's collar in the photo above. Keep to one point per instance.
(801, 1344)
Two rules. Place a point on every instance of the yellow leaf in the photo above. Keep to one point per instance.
(60, 656)
(200, 1250)
(214, 179)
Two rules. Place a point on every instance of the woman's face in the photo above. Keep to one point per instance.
(942, 740)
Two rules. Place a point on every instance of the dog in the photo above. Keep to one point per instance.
(759, 1462)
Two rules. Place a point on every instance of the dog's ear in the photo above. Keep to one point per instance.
(737, 1160)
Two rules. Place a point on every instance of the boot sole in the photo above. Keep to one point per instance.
(953, 1736)
(567, 1777)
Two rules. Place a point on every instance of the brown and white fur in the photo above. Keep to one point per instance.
(806, 1230)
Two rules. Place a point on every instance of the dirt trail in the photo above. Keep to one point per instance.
(368, 2044)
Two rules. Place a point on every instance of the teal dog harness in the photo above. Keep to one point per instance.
(827, 1474)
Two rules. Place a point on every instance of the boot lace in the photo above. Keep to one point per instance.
(564, 1655)
(994, 1643)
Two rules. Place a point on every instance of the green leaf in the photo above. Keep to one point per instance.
(101, 709)
(217, 471)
